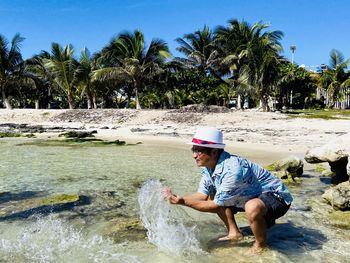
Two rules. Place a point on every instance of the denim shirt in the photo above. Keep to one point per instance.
(236, 180)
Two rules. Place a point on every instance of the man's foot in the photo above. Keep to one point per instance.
(255, 250)
(235, 237)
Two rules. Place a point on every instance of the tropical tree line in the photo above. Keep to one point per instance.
(227, 66)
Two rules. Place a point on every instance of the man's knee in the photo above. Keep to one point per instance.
(255, 208)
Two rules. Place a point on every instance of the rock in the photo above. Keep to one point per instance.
(78, 134)
(288, 168)
(203, 108)
(340, 219)
(339, 196)
(170, 134)
(10, 134)
(344, 140)
(339, 169)
(327, 153)
(76, 142)
(139, 130)
(337, 157)
(124, 228)
(25, 208)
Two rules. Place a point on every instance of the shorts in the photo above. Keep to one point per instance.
(276, 207)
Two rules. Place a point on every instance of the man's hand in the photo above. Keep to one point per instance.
(172, 198)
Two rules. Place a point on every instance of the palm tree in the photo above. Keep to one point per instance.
(251, 55)
(62, 64)
(335, 77)
(128, 59)
(41, 78)
(83, 77)
(11, 65)
(200, 51)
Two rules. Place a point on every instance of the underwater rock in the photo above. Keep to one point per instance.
(337, 157)
(106, 204)
(340, 219)
(76, 142)
(10, 134)
(78, 134)
(25, 208)
(126, 229)
(338, 196)
(289, 167)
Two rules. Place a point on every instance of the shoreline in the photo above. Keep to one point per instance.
(264, 134)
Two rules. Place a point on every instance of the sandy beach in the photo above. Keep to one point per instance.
(244, 131)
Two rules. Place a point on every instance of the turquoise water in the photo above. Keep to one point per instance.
(112, 176)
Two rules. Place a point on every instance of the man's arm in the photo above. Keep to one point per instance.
(197, 201)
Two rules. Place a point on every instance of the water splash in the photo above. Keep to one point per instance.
(52, 240)
(165, 224)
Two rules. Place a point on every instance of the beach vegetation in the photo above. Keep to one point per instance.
(326, 114)
(128, 60)
(251, 54)
(236, 65)
(334, 77)
(298, 83)
(201, 52)
(37, 89)
(62, 65)
(85, 86)
(11, 66)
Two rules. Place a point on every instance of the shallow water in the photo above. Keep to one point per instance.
(113, 177)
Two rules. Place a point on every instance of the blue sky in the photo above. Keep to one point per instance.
(314, 26)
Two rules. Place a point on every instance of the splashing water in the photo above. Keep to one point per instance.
(52, 240)
(165, 225)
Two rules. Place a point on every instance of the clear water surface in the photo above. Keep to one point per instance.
(113, 177)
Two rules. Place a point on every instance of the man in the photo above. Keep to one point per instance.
(230, 184)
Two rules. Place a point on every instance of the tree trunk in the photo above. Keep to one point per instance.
(264, 103)
(138, 106)
(89, 103)
(94, 102)
(5, 99)
(239, 106)
(70, 102)
(36, 104)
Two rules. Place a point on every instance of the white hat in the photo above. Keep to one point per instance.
(209, 137)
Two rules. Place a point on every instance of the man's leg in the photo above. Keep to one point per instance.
(226, 215)
(256, 210)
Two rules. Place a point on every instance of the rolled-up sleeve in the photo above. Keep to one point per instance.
(206, 186)
(228, 190)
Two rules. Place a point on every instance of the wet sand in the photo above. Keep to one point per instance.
(262, 136)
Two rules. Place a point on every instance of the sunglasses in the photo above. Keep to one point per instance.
(200, 151)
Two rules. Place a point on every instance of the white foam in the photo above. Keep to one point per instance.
(52, 240)
(165, 223)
